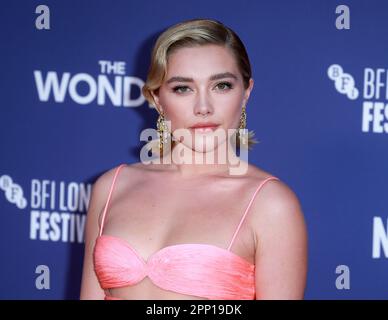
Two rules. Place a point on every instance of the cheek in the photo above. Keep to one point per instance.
(230, 105)
(231, 112)
(234, 118)
(179, 116)
(177, 119)
(173, 108)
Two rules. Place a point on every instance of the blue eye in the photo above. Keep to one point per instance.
(225, 86)
(178, 89)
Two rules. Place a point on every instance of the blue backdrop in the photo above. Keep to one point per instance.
(319, 108)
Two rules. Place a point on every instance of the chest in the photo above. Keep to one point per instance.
(153, 216)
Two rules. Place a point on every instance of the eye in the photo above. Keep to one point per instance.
(180, 89)
(224, 86)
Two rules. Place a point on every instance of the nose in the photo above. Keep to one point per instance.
(203, 106)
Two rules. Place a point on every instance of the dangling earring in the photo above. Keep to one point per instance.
(243, 118)
(163, 132)
(243, 124)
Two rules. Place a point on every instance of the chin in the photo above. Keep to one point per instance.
(205, 147)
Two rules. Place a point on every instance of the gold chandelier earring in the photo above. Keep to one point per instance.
(243, 124)
(163, 132)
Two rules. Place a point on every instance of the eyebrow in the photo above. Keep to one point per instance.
(213, 77)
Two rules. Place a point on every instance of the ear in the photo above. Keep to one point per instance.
(155, 97)
(248, 91)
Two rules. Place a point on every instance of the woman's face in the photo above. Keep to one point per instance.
(203, 84)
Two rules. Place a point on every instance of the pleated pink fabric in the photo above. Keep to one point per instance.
(202, 270)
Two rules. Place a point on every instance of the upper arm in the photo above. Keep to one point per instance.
(281, 244)
(90, 287)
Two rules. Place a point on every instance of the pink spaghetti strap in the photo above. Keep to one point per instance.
(109, 196)
(247, 209)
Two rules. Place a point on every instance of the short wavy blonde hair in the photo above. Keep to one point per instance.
(189, 33)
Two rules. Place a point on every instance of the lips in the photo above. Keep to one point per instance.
(208, 125)
(204, 127)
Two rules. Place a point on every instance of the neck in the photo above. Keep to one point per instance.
(221, 161)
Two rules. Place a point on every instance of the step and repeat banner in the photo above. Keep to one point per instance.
(71, 108)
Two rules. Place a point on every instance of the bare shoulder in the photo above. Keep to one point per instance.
(128, 176)
(130, 171)
(281, 247)
(101, 187)
(275, 199)
(278, 221)
(103, 183)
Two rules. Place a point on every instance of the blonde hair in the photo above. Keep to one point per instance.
(189, 33)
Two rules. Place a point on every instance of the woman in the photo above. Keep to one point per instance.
(186, 229)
